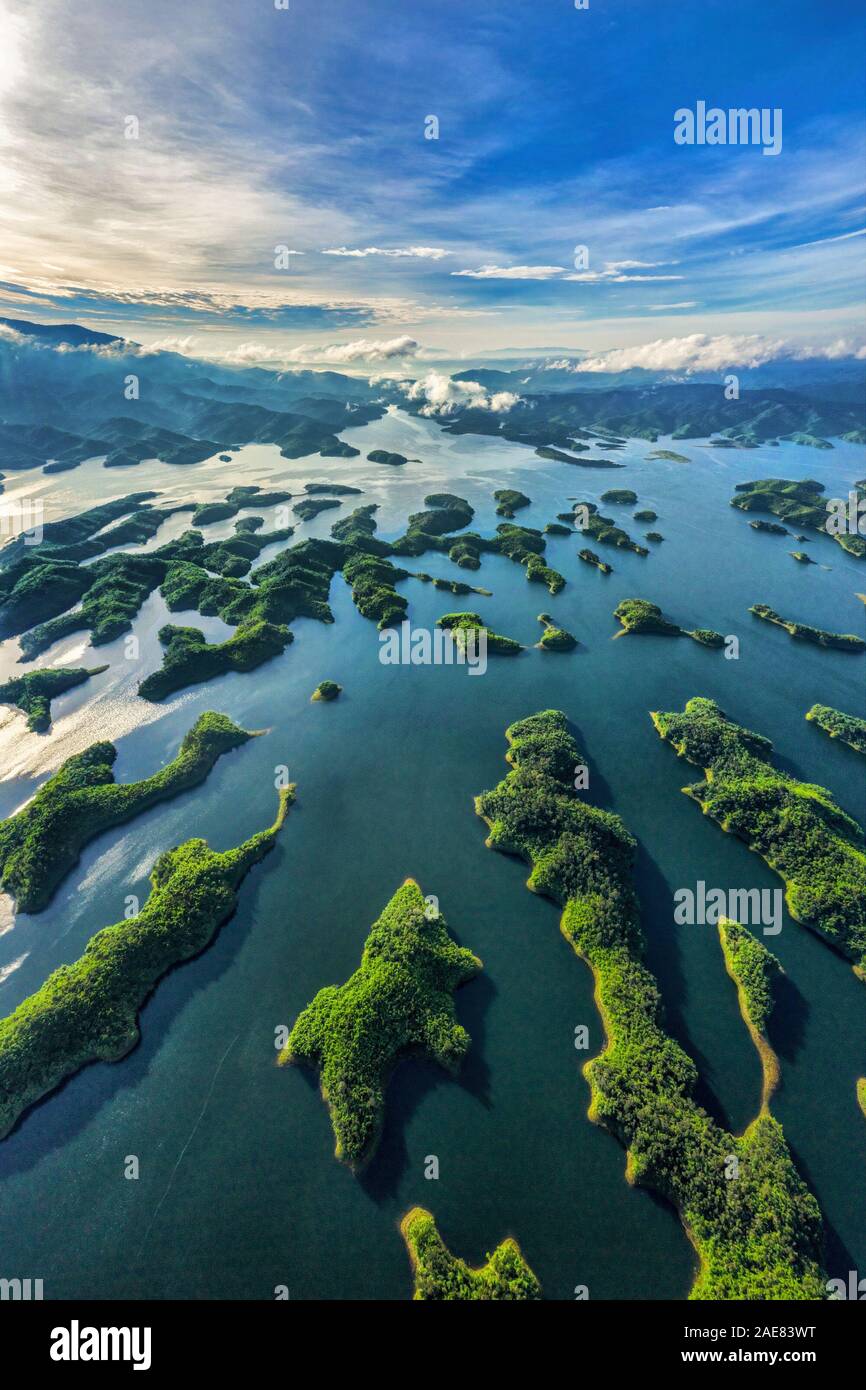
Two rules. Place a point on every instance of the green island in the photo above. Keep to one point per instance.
(189, 658)
(553, 638)
(309, 507)
(802, 503)
(556, 528)
(591, 558)
(802, 557)
(861, 1093)
(758, 1236)
(117, 587)
(654, 536)
(753, 969)
(393, 460)
(510, 501)
(249, 495)
(839, 641)
(772, 527)
(622, 495)
(42, 842)
(670, 454)
(797, 827)
(88, 1011)
(639, 615)
(374, 594)
(647, 514)
(326, 690)
(439, 1275)
(601, 528)
(398, 1003)
(847, 727)
(33, 692)
(466, 627)
(546, 451)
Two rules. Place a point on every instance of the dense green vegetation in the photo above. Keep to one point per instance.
(848, 727)
(466, 625)
(373, 592)
(619, 494)
(670, 455)
(795, 826)
(646, 514)
(639, 615)
(398, 1002)
(116, 588)
(802, 557)
(33, 692)
(88, 1011)
(245, 496)
(383, 456)
(310, 507)
(326, 690)
(189, 658)
(592, 558)
(839, 641)
(42, 842)
(754, 970)
(555, 639)
(439, 1275)
(603, 529)
(772, 527)
(800, 502)
(758, 1235)
(73, 537)
(510, 501)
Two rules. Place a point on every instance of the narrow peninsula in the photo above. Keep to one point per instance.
(440, 1276)
(88, 1011)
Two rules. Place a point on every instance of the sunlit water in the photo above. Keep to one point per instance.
(238, 1189)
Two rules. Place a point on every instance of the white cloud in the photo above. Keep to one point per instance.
(422, 253)
(334, 354)
(698, 352)
(680, 304)
(442, 395)
(512, 272)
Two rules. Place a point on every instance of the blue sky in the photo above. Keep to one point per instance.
(304, 128)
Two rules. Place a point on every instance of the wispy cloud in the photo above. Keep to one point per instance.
(512, 272)
(420, 253)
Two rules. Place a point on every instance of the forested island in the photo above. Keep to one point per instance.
(839, 641)
(795, 826)
(553, 638)
(88, 1011)
(468, 627)
(33, 692)
(753, 969)
(326, 691)
(189, 658)
(42, 842)
(759, 1237)
(398, 1003)
(847, 727)
(440, 1276)
(802, 503)
(641, 616)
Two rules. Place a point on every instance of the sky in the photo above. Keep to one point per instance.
(256, 183)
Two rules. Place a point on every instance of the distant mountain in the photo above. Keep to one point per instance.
(53, 333)
(58, 408)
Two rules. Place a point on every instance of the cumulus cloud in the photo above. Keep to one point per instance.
(512, 272)
(333, 354)
(442, 395)
(421, 253)
(700, 352)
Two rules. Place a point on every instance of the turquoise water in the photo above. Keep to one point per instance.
(238, 1189)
